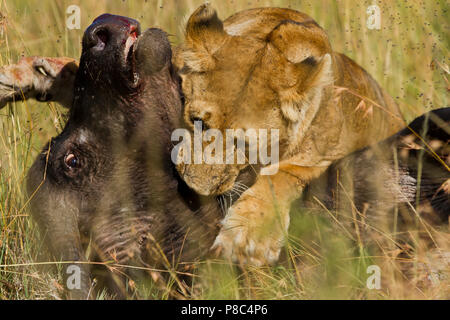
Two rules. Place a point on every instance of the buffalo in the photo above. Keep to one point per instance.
(106, 184)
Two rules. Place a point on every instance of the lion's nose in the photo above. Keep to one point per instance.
(110, 30)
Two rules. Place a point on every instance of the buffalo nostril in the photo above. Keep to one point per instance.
(100, 38)
(102, 35)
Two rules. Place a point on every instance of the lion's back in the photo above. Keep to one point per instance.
(259, 22)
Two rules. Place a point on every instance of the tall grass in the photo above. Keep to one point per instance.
(409, 57)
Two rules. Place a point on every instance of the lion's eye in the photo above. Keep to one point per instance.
(310, 61)
(196, 119)
(71, 161)
(196, 122)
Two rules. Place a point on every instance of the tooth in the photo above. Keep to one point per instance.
(128, 45)
(42, 71)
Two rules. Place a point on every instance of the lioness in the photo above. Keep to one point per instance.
(273, 68)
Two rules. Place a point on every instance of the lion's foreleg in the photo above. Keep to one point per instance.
(256, 225)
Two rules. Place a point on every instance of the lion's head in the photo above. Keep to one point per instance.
(252, 71)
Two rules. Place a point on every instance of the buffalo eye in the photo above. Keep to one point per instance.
(71, 161)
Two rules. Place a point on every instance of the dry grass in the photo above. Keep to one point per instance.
(408, 57)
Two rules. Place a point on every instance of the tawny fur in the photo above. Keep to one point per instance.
(274, 68)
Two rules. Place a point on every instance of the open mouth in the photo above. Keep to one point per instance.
(128, 54)
(129, 45)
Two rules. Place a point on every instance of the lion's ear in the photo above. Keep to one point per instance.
(304, 98)
(305, 45)
(205, 29)
(300, 41)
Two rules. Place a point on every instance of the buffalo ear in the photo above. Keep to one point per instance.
(153, 51)
(205, 29)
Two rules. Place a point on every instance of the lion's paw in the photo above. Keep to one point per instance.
(252, 233)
